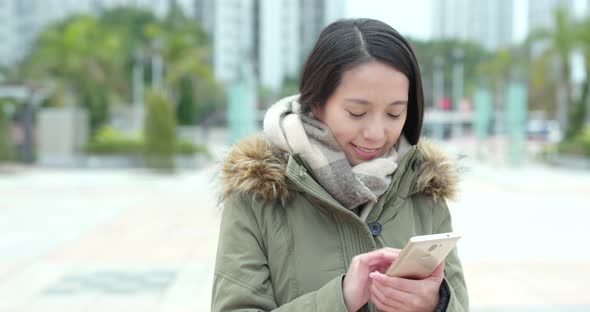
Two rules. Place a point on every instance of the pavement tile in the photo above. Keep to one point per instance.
(133, 241)
(528, 283)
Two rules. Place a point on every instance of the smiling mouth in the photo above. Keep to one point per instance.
(368, 150)
(365, 153)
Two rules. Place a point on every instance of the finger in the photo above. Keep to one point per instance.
(402, 284)
(391, 250)
(380, 304)
(402, 301)
(390, 253)
(377, 302)
(392, 292)
(383, 267)
(374, 258)
(382, 292)
(439, 272)
(387, 256)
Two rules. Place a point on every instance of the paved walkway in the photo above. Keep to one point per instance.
(133, 241)
(106, 241)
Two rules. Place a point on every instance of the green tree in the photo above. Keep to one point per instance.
(186, 109)
(428, 51)
(6, 151)
(160, 131)
(209, 98)
(559, 42)
(578, 112)
(499, 68)
(90, 60)
(186, 51)
(131, 25)
(79, 56)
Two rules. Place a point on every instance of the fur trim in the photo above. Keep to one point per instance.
(438, 175)
(256, 167)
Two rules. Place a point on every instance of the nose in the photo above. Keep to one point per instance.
(374, 131)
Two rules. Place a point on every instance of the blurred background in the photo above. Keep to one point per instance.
(114, 115)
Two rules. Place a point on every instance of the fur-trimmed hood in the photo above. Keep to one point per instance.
(255, 166)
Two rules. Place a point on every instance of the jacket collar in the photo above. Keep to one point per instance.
(257, 168)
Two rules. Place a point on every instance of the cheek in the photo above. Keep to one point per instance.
(395, 131)
(344, 133)
(342, 129)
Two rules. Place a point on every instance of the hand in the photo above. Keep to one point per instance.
(400, 294)
(355, 287)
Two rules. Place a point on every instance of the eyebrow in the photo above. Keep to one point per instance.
(365, 102)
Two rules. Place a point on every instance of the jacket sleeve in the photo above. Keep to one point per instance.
(242, 280)
(454, 280)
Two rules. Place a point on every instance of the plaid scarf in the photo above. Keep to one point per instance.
(352, 186)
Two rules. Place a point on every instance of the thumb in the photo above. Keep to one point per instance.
(439, 272)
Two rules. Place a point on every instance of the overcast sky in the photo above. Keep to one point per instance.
(410, 18)
(414, 17)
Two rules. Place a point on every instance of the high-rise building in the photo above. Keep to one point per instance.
(233, 37)
(490, 23)
(21, 21)
(272, 36)
(278, 41)
(8, 27)
(493, 23)
(315, 15)
(203, 11)
(541, 12)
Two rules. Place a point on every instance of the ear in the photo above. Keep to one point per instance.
(318, 112)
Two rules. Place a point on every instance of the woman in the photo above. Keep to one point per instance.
(317, 207)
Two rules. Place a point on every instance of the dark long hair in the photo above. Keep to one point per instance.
(347, 43)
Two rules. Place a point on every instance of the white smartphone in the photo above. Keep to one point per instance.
(422, 254)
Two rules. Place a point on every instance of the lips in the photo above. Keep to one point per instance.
(365, 153)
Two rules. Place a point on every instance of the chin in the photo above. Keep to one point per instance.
(354, 161)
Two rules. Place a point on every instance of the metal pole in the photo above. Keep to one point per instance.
(437, 93)
(27, 119)
(157, 64)
(457, 88)
(138, 73)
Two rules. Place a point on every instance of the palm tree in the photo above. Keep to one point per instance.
(83, 60)
(579, 110)
(187, 54)
(559, 43)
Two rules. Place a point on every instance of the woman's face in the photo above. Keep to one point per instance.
(367, 111)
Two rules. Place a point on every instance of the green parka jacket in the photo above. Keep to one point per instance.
(285, 243)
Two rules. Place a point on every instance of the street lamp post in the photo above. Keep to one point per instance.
(437, 93)
(457, 88)
(138, 74)
(157, 63)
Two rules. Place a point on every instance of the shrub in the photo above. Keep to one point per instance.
(6, 151)
(159, 131)
(110, 141)
(578, 145)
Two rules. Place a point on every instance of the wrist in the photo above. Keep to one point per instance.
(346, 294)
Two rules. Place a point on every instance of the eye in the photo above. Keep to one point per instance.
(394, 116)
(356, 115)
